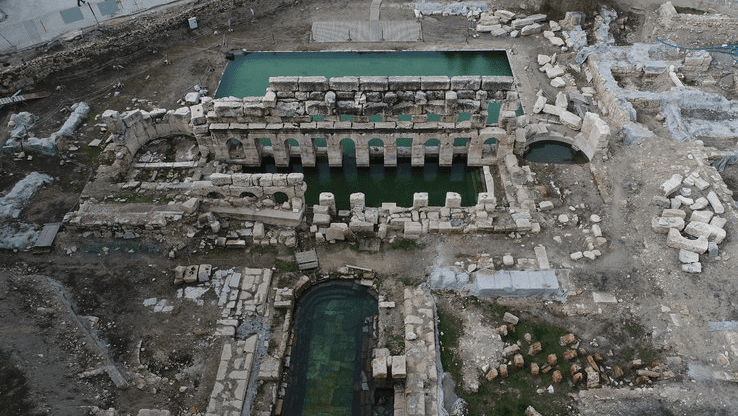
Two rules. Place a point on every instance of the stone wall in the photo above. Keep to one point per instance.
(702, 30)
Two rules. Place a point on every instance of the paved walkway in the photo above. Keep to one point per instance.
(372, 30)
(33, 22)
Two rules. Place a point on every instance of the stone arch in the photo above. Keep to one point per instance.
(249, 195)
(215, 195)
(489, 147)
(348, 148)
(290, 146)
(376, 147)
(280, 197)
(235, 148)
(432, 148)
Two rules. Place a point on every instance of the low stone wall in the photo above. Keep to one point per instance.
(704, 30)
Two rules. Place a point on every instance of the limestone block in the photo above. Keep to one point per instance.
(420, 200)
(671, 185)
(312, 83)
(594, 128)
(498, 83)
(344, 83)
(540, 103)
(403, 83)
(258, 231)
(132, 117)
(295, 179)
(700, 183)
(270, 99)
(510, 318)
(431, 83)
(203, 272)
(504, 14)
(701, 216)
(554, 71)
(327, 199)
(686, 256)
(556, 41)
(219, 179)
(664, 224)
(676, 240)
(283, 84)
(357, 199)
(718, 222)
(330, 99)
(229, 109)
(399, 367)
(373, 83)
(359, 226)
(552, 109)
(699, 204)
(466, 82)
(558, 82)
(191, 205)
(453, 200)
(717, 206)
(674, 213)
(562, 100)
(571, 120)
(114, 122)
(321, 219)
(531, 29)
(338, 233)
(545, 205)
(379, 367)
(253, 109)
(412, 229)
(701, 229)
(692, 267)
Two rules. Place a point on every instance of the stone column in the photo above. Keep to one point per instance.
(280, 150)
(327, 199)
(390, 150)
(251, 149)
(446, 150)
(420, 200)
(357, 199)
(307, 151)
(335, 155)
(418, 151)
(453, 200)
(361, 142)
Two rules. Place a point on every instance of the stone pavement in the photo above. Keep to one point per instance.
(33, 22)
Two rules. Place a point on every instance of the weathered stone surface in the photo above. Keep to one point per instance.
(686, 256)
(399, 367)
(674, 213)
(510, 318)
(540, 103)
(558, 82)
(717, 206)
(571, 120)
(671, 185)
(701, 216)
(701, 229)
(379, 367)
(676, 240)
(664, 224)
(692, 267)
(535, 348)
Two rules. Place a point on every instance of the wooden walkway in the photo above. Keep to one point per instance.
(367, 31)
(21, 98)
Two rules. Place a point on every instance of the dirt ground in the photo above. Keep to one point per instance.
(65, 314)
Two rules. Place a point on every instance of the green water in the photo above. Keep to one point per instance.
(384, 184)
(248, 74)
(554, 152)
(326, 362)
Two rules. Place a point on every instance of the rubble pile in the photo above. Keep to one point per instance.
(691, 219)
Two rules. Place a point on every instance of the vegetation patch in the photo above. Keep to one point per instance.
(286, 266)
(689, 10)
(405, 245)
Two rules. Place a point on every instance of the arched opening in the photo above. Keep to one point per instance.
(280, 198)
(248, 195)
(489, 147)
(376, 148)
(292, 148)
(404, 147)
(235, 149)
(215, 195)
(432, 148)
(553, 151)
(320, 144)
(348, 149)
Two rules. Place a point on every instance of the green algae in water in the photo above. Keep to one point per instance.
(248, 74)
(326, 361)
(549, 151)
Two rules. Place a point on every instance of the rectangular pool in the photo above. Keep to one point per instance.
(248, 74)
